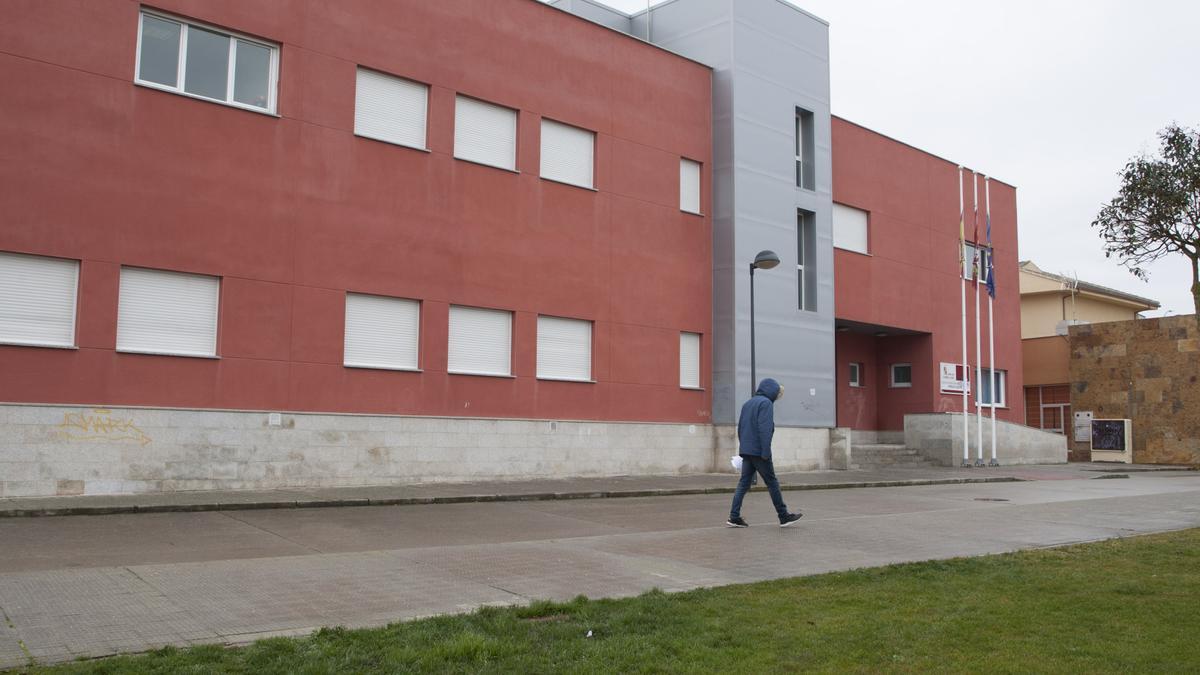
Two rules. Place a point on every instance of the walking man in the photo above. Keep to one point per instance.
(756, 426)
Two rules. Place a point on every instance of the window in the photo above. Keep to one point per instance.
(805, 157)
(37, 300)
(850, 229)
(567, 153)
(969, 252)
(485, 133)
(902, 375)
(806, 259)
(993, 381)
(856, 375)
(480, 341)
(167, 313)
(381, 332)
(206, 62)
(689, 360)
(390, 109)
(564, 349)
(689, 186)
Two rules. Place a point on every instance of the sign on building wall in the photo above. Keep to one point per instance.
(954, 380)
(1083, 427)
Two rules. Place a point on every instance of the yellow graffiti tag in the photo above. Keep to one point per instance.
(99, 426)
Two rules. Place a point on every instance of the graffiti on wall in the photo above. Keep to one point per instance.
(99, 425)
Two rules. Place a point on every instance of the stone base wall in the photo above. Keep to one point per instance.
(792, 448)
(939, 438)
(1147, 371)
(67, 450)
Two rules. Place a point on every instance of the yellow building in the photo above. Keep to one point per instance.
(1050, 303)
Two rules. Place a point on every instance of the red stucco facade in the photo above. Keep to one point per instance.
(908, 285)
(293, 211)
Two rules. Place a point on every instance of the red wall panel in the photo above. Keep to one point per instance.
(293, 210)
(911, 279)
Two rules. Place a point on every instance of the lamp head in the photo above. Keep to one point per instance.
(765, 260)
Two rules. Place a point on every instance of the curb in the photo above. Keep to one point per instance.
(470, 499)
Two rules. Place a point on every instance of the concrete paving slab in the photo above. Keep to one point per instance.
(405, 562)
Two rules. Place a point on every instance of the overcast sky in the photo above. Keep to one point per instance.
(1052, 96)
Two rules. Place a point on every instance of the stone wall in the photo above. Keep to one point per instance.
(65, 450)
(939, 438)
(1147, 371)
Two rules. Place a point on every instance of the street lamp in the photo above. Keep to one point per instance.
(765, 260)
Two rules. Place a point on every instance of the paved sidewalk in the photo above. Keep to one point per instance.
(534, 490)
(87, 587)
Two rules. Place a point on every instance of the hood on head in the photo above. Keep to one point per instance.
(769, 388)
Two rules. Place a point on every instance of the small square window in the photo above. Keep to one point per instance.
(901, 374)
(163, 312)
(37, 300)
(856, 375)
(479, 341)
(992, 384)
(568, 154)
(564, 349)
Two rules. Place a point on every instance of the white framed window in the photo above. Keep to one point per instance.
(689, 360)
(194, 59)
(567, 154)
(160, 312)
(806, 259)
(856, 375)
(38, 297)
(993, 382)
(564, 349)
(390, 109)
(970, 251)
(480, 341)
(485, 133)
(689, 186)
(381, 332)
(850, 230)
(901, 375)
(805, 155)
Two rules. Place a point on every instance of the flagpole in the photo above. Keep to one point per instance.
(978, 348)
(962, 264)
(991, 283)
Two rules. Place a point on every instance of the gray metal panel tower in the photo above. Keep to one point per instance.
(770, 61)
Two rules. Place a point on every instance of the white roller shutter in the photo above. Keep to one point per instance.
(485, 133)
(567, 153)
(689, 360)
(850, 228)
(480, 341)
(390, 109)
(37, 300)
(689, 186)
(167, 312)
(564, 349)
(381, 332)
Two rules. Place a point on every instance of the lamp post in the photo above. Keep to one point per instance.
(765, 260)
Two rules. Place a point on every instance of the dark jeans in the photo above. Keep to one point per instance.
(763, 467)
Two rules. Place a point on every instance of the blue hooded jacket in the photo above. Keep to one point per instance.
(756, 425)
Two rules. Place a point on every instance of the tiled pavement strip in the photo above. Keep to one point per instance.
(97, 585)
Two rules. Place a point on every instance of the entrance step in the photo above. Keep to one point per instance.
(886, 454)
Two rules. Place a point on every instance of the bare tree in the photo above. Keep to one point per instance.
(1157, 211)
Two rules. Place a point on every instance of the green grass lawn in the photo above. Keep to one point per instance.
(1130, 605)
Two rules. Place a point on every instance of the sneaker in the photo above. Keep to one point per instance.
(789, 519)
(736, 522)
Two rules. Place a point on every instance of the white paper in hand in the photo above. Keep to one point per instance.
(736, 461)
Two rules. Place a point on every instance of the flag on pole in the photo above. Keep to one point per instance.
(991, 282)
(976, 268)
